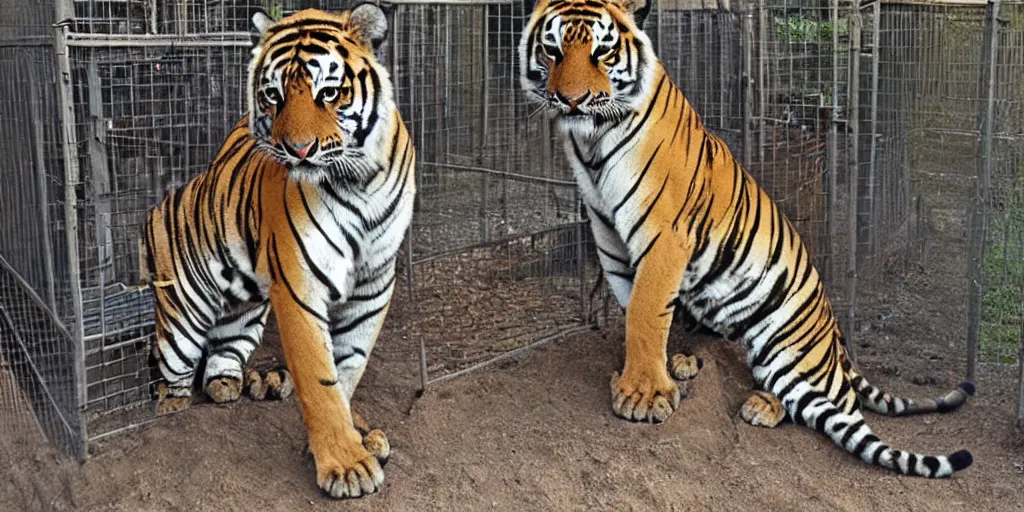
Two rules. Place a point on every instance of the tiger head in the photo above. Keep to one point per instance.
(319, 101)
(586, 61)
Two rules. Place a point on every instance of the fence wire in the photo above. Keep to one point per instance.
(861, 121)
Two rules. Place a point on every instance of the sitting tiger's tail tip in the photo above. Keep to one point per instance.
(961, 460)
(956, 398)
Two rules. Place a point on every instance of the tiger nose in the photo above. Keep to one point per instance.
(571, 101)
(302, 149)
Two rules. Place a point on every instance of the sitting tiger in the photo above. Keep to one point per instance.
(303, 210)
(678, 223)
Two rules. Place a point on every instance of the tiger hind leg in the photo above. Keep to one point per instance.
(176, 352)
(232, 342)
(763, 409)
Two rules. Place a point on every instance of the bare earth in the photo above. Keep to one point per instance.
(539, 434)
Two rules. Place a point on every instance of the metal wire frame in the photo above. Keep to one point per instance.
(498, 215)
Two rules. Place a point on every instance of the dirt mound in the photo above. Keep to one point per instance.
(539, 435)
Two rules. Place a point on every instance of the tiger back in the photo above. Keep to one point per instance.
(679, 224)
(303, 210)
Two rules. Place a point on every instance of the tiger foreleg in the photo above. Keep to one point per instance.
(645, 391)
(354, 332)
(763, 409)
(344, 467)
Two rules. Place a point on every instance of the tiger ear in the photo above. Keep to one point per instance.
(262, 21)
(371, 24)
(639, 9)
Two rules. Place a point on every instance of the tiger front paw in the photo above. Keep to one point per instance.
(651, 398)
(346, 469)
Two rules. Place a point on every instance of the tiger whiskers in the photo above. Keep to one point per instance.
(537, 111)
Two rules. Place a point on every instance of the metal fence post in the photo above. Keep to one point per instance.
(832, 148)
(485, 227)
(659, 17)
(979, 205)
(393, 35)
(873, 187)
(1020, 368)
(853, 125)
(762, 77)
(65, 101)
(747, 85)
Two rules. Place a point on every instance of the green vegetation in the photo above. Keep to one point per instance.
(274, 9)
(1001, 314)
(798, 29)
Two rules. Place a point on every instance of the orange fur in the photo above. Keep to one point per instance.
(303, 210)
(679, 223)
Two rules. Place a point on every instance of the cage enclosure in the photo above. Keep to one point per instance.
(874, 126)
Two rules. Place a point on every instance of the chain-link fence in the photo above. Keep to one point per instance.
(864, 122)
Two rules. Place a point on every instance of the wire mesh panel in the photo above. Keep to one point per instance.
(495, 245)
(1001, 336)
(150, 116)
(860, 121)
(31, 233)
(40, 355)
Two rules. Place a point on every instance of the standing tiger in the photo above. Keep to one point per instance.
(679, 223)
(303, 210)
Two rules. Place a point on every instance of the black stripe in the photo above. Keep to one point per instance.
(355, 297)
(863, 444)
(332, 290)
(638, 180)
(643, 218)
(822, 420)
(850, 430)
(291, 291)
(636, 129)
(340, 330)
(231, 351)
(646, 250)
(356, 351)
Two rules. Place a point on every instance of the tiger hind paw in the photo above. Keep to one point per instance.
(224, 389)
(763, 409)
(684, 367)
(172, 399)
(275, 384)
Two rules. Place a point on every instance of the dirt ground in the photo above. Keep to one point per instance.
(539, 434)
